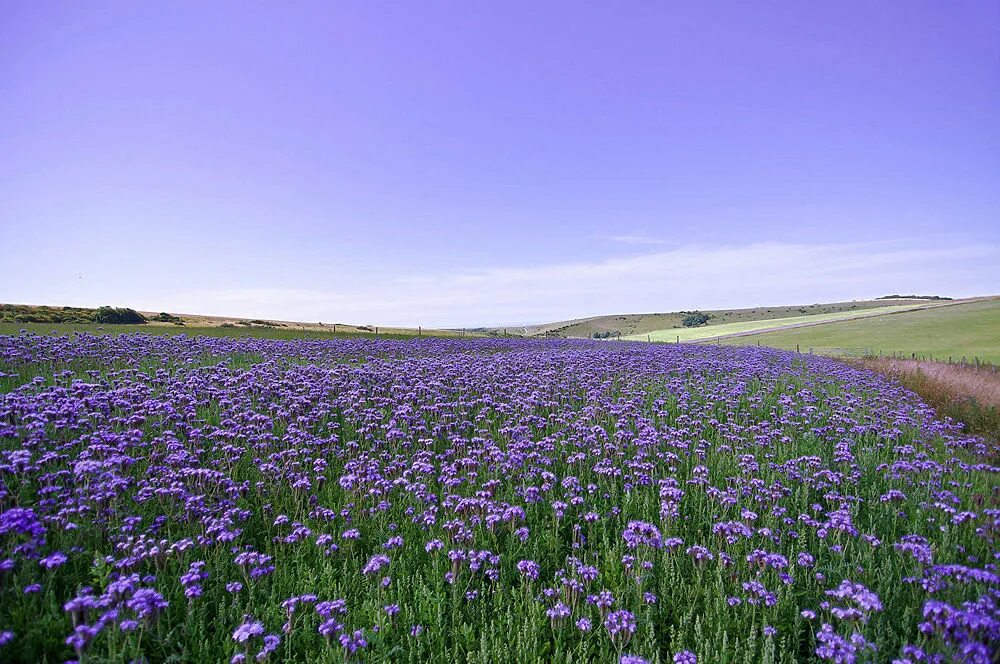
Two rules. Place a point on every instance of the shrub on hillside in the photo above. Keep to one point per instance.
(118, 316)
(695, 319)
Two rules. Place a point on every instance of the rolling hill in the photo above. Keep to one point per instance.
(43, 319)
(969, 329)
(742, 328)
(668, 325)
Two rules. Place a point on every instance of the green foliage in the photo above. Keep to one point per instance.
(695, 319)
(118, 316)
(607, 334)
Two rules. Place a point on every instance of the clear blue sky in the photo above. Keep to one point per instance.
(465, 163)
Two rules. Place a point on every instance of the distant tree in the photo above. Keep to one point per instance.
(912, 297)
(695, 319)
(118, 316)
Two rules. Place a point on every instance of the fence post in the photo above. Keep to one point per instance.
(797, 349)
(420, 331)
(647, 338)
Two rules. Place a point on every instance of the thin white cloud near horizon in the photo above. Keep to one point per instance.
(684, 277)
(639, 239)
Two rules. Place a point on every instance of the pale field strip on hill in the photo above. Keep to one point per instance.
(731, 329)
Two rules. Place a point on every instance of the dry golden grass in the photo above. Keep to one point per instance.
(964, 381)
(968, 394)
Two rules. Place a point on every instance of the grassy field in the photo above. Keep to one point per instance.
(713, 331)
(259, 332)
(642, 324)
(970, 330)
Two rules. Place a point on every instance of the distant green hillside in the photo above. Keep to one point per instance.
(712, 331)
(969, 329)
(642, 324)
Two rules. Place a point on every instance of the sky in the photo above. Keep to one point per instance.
(476, 163)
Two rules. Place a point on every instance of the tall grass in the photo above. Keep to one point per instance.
(964, 393)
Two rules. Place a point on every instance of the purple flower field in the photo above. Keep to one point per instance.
(179, 499)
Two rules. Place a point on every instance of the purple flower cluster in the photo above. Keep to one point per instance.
(640, 533)
(621, 626)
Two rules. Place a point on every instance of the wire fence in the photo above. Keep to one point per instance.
(851, 351)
